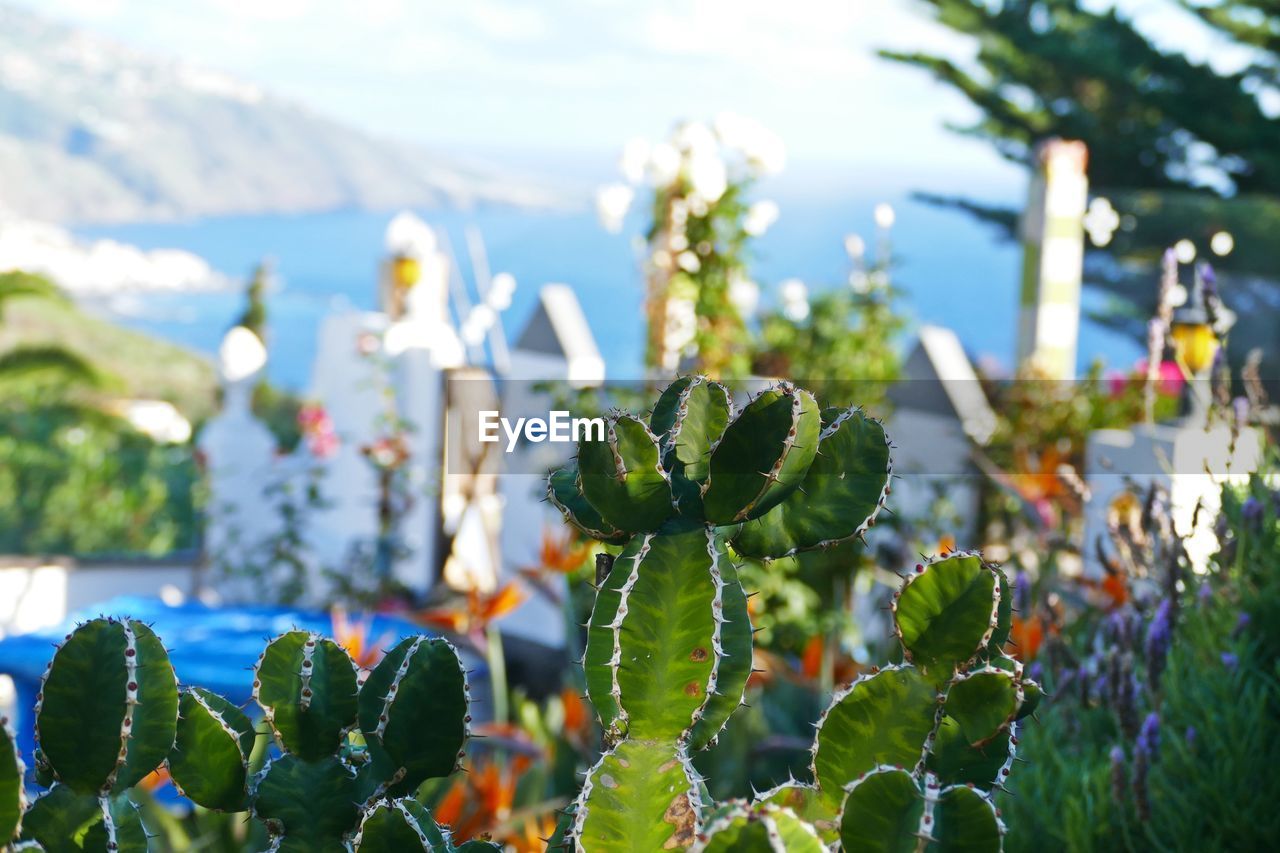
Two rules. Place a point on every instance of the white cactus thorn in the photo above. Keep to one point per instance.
(384, 716)
(308, 666)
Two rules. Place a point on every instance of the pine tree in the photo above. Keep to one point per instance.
(1152, 119)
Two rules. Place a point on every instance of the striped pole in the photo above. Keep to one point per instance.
(1053, 259)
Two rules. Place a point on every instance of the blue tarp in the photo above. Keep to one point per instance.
(211, 647)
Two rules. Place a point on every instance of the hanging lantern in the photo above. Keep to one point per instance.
(1194, 341)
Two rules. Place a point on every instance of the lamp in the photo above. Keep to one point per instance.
(1195, 343)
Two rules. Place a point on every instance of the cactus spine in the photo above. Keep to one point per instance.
(904, 757)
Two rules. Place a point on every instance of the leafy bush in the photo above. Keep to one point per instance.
(77, 481)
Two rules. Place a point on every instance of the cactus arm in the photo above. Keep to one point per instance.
(666, 644)
(884, 810)
(946, 613)
(58, 816)
(62, 821)
(733, 647)
(12, 788)
(891, 809)
(666, 410)
(119, 831)
(307, 804)
(640, 796)
(807, 803)
(983, 702)
(758, 828)
(841, 494)
(210, 760)
(689, 424)
(622, 477)
(306, 686)
(763, 455)
(564, 494)
(107, 710)
(414, 705)
(400, 826)
(603, 652)
(883, 718)
(955, 762)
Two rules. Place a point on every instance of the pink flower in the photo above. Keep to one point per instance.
(323, 445)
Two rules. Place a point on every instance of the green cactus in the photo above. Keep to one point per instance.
(412, 714)
(63, 821)
(403, 826)
(109, 712)
(306, 686)
(904, 757)
(761, 827)
(413, 706)
(12, 794)
(210, 760)
(669, 645)
(909, 754)
(890, 808)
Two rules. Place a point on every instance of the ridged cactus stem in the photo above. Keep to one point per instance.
(126, 722)
(308, 667)
(718, 653)
(390, 698)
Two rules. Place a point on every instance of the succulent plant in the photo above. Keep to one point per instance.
(904, 757)
(109, 712)
(405, 825)
(12, 793)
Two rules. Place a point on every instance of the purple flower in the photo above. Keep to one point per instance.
(1036, 672)
(1251, 512)
(1119, 774)
(1149, 735)
(1230, 661)
(1022, 593)
(1209, 279)
(1242, 622)
(1191, 735)
(1240, 405)
(1159, 638)
(1204, 593)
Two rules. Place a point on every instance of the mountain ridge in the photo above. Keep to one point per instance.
(93, 131)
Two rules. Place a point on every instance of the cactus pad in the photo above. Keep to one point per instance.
(399, 826)
(622, 477)
(762, 456)
(689, 420)
(414, 705)
(889, 809)
(880, 719)
(107, 711)
(807, 803)
(307, 805)
(657, 639)
(306, 685)
(758, 828)
(641, 795)
(210, 760)
(841, 493)
(62, 821)
(564, 494)
(946, 612)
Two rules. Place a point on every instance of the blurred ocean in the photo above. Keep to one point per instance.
(954, 271)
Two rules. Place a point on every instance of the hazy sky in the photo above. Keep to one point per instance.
(576, 78)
